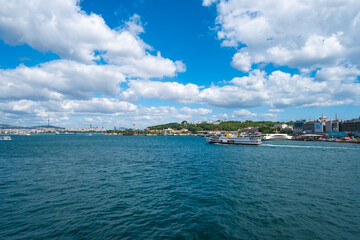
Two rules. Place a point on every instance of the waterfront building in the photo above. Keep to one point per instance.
(298, 127)
(318, 127)
(324, 124)
(308, 127)
(332, 126)
(352, 125)
(328, 126)
(335, 126)
(168, 131)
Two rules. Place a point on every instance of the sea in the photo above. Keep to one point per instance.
(177, 187)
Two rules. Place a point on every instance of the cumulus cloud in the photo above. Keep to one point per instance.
(278, 90)
(94, 106)
(101, 110)
(276, 110)
(94, 60)
(196, 111)
(242, 61)
(58, 80)
(243, 113)
(299, 34)
(172, 91)
(209, 2)
(63, 28)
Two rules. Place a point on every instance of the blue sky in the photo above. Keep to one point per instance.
(145, 62)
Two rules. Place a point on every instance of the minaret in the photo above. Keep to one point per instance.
(48, 121)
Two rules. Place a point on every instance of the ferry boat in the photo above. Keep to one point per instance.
(5, 138)
(229, 139)
(277, 137)
(212, 138)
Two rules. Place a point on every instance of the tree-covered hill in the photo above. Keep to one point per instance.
(263, 126)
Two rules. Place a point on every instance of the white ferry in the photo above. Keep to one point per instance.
(5, 138)
(277, 137)
(229, 139)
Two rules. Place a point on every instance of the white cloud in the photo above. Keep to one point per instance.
(94, 106)
(208, 2)
(60, 79)
(278, 90)
(242, 61)
(148, 66)
(197, 111)
(276, 110)
(243, 113)
(68, 86)
(101, 110)
(134, 25)
(163, 90)
(298, 33)
(269, 117)
(231, 96)
(63, 28)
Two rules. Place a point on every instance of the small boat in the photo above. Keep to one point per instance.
(277, 137)
(5, 138)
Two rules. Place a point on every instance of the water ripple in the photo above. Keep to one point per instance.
(111, 187)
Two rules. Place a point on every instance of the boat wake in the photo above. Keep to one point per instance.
(317, 147)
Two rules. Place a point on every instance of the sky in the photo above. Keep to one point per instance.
(145, 62)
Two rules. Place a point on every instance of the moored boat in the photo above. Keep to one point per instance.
(212, 138)
(5, 138)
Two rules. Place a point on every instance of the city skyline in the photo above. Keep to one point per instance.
(148, 62)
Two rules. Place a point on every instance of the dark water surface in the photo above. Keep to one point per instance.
(128, 187)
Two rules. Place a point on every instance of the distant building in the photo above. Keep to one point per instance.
(183, 130)
(332, 126)
(335, 126)
(168, 131)
(322, 124)
(298, 127)
(308, 127)
(323, 119)
(318, 127)
(251, 130)
(283, 126)
(352, 125)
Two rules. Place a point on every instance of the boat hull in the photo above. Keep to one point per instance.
(233, 140)
(5, 138)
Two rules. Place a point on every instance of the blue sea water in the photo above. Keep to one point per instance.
(141, 187)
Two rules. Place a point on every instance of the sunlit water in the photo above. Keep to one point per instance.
(128, 187)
